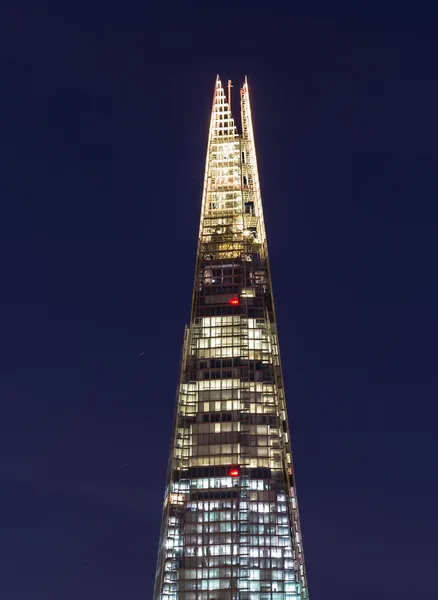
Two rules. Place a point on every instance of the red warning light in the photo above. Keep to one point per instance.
(234, 472)
(234, 301)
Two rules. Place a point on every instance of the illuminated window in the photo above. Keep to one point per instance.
(248, 293)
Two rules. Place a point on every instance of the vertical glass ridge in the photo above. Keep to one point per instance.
(231, 528)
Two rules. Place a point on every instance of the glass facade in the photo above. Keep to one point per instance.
(230, 527)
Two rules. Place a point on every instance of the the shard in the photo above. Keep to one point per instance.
(231, 527)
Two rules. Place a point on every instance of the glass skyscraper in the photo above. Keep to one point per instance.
(231, 528)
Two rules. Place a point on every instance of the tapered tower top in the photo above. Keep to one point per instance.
(231, 525)
(231, 174)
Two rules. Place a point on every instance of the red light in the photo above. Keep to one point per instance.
(234, 472)
(234, 301)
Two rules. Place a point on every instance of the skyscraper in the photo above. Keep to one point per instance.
(231, 528)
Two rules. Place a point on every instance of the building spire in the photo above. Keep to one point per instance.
(221, 117)
(249, 143)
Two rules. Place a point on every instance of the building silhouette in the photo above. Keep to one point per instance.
(231, 527)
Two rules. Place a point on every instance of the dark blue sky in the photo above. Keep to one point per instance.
(104, 113)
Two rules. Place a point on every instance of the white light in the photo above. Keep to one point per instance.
(246, 233)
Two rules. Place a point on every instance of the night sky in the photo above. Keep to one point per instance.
(104, 113)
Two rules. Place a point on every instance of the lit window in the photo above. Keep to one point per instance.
(248, 293)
